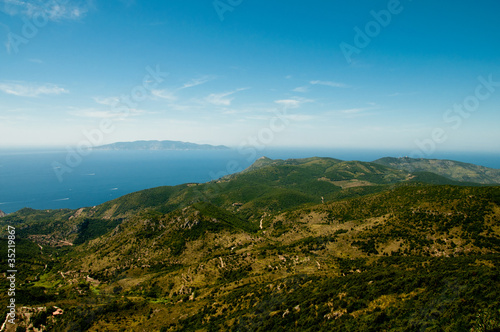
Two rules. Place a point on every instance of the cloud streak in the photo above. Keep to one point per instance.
(220, 99)
(170, 94)
(354, 110)
(196, 81)
(104, 114)
(330, 84)
(293, 102)
(301, 89)
(351, 112)
(23, 89)
(165, 94)
(108, 101)
(52, 10)
(290, 103)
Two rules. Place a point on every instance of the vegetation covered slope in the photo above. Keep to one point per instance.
(274, 185)
(454, 170)
(403, 256)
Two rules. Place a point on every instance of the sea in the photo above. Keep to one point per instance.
(65, 178)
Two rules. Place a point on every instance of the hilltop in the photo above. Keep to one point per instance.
(159, 145)
(298, 244)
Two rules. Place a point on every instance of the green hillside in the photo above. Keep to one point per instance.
(450, 169)
(313, 244)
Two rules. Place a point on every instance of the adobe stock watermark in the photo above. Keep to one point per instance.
(224, 6)
(106, 126)
(455, 116)
(32, 26)
(11, 275)
(372, 29)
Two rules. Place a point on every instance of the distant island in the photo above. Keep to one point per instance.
(159, 145)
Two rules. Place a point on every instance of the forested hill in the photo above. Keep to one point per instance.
(450, 169)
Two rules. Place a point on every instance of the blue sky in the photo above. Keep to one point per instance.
(278, 73)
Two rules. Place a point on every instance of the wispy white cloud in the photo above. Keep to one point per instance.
(24, 89)
(351, 112)
(165, 94)
(108, 101)
(290, 103)
(267, 117)
(187, 108)
(171, 94)
(221, 99)
(354, 110)
(230, 112)
(293, 102)
(95, 114)
(196, 81)
(330, 83)
(396, 94)
(105, 114)
(301, 89)
(51, 10)
(255, 117)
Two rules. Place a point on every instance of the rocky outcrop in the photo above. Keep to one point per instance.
(2, 214)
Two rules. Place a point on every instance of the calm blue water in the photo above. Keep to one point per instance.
(29, 178)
